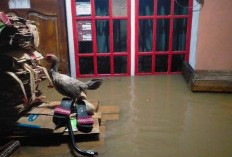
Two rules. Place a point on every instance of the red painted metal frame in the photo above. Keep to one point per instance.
(93, 19)
(169, 52)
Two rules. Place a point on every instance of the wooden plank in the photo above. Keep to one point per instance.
(187, 72)
(213, 72)
(45, 108)
(212, 82)
(45, 115)
(48, 108)
(95, 130)
(97, 115)
(95, 104)
(214, 75)
(109, 109)
(212, 86)
(207, 81)
(111, 117)
(45, 123)
(102, 134)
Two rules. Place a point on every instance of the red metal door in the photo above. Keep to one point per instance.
(101, 37)
(163, 29)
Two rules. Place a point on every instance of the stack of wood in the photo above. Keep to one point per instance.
(20, 70)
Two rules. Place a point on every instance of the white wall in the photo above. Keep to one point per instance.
(194, 32)
(132, 37)
(70, 38)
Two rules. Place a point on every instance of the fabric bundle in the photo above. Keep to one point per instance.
(20, 69)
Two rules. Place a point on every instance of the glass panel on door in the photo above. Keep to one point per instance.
(146, 7)
(120, 35)
(103, 65)
(164, 7)
(85, 46)
(86, 65)
(120, 64)
(162, 34)
(102, 7)
(179, 34)
(145, 64)
(161, 63)
(181, 7)
(177, 61)
(145, 35)
(103, 36)
(84, 33)
(119, 7)
(83, 7)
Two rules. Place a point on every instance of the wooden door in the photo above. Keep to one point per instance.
(50, 14)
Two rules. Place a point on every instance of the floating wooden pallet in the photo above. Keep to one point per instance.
(48, 108)
(94, 141)
(44, 115)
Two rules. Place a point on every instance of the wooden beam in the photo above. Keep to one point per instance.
(207, 81)
(109, 109)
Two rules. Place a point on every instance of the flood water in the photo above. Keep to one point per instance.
(159, 117)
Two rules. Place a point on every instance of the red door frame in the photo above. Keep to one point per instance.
(93, 18)
(170, 52)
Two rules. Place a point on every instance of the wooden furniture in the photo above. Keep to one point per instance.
(50, 15)
(207, 81)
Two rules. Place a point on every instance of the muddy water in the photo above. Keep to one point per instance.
(159, 117)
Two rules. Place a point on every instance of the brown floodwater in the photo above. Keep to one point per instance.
(159, 117)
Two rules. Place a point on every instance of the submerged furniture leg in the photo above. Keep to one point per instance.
(78, 150)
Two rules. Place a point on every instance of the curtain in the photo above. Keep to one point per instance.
(179, 34)
(102, 31)
(145, 35)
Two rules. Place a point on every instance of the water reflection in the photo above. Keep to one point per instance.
(160, 117)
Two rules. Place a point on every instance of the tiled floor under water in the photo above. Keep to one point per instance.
(159, 117)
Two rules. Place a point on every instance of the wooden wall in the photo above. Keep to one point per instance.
(50, 14)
